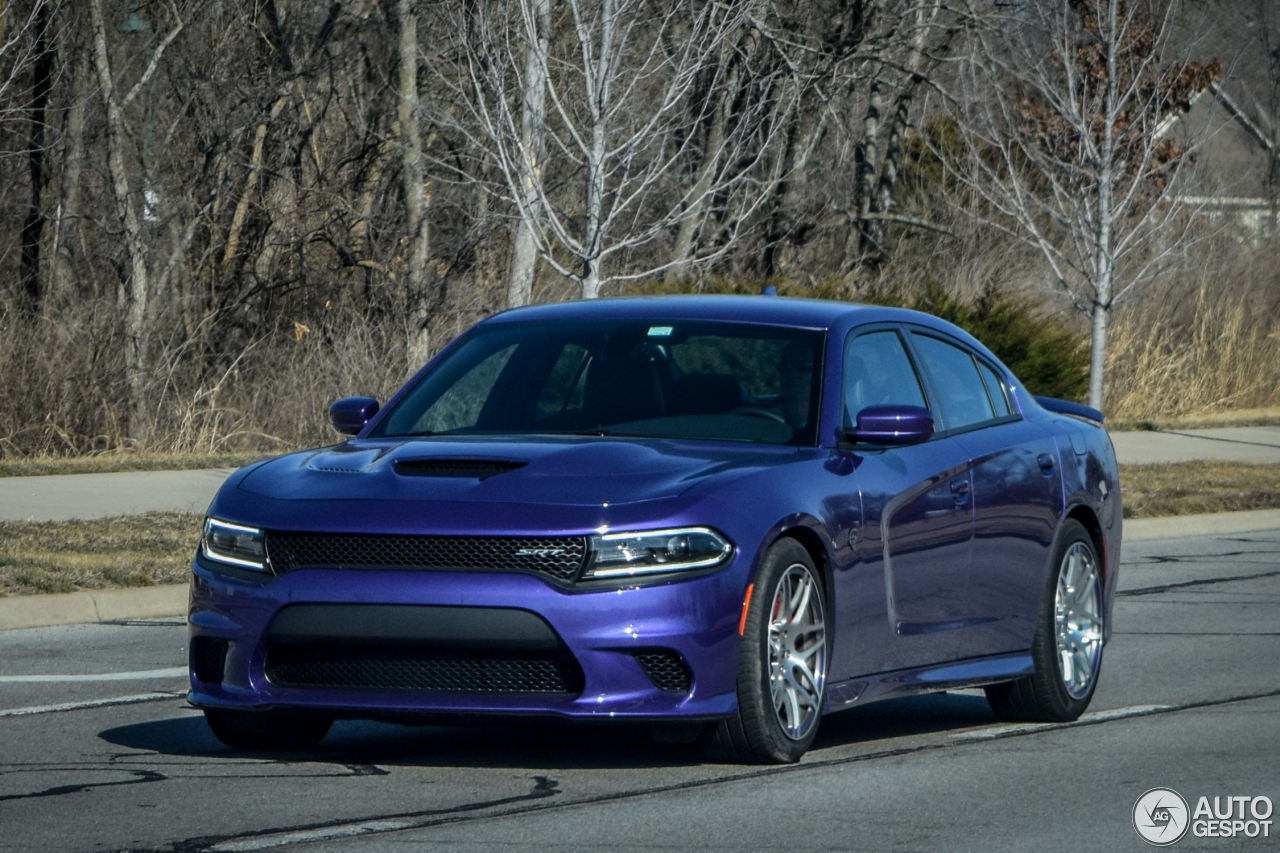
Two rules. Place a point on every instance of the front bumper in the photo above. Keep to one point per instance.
(696, 617)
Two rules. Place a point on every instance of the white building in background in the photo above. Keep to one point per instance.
(1235, 179)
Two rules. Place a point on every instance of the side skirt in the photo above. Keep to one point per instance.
(929, 679)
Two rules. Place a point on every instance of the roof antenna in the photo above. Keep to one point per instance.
(769, 291)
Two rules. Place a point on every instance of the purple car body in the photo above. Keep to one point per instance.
(934, 554)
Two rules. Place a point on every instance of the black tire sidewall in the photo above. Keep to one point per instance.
(1062, 705)
(755, 698)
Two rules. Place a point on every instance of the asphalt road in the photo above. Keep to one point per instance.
(1189, 699)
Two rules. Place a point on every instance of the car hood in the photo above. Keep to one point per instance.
(550, 471)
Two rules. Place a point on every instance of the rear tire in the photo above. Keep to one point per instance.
(264, 732)
(1067, 648)
(782, 666)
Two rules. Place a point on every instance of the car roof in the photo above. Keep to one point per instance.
(770, 310)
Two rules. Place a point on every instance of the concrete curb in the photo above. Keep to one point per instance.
(1208, 524)
(108, 605)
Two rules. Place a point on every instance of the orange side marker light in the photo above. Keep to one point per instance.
(746, 602)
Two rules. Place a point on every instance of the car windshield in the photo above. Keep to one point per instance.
(660, 379)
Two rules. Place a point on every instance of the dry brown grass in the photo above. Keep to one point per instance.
(105, 463)
(64, 389)
(1203, 343)
(66, 556)
(1185, 488)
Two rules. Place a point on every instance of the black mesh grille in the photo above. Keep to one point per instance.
(424, 670)
(558, 557)
(472, 468)
(665, 669)
(208, 658)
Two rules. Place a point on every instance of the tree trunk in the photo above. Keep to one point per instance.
(413, 176)
(689, 226)
(599, 96)
(691, 223)
(33, 226)
(806, 128)
(533, 149)
(1104, 259)
(232, 247)
(868, 155)
(1097, 355)
(66, 226)
(134, 290)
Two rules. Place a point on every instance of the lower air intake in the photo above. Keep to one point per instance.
(665, 669)
(324, 666)
(208, 659)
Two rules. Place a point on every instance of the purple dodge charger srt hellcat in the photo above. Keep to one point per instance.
(732, 513)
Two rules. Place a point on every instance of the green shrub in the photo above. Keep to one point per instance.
(1044, 351)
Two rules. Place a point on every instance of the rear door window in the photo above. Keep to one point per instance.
(960, 393)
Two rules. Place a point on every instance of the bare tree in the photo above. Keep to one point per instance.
(135, 292)
(1060, 108)
(531, 149)
(413, 178)
(903, 60)
(620, 78)
(852, 70)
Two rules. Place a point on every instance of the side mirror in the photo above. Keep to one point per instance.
(891, 425)
(350, 414)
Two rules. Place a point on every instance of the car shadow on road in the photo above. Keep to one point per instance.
(914, 715)
(547, 746)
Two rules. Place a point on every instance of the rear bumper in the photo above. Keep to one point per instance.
(696, 618)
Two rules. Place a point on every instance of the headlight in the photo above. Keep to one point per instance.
(619, 555)
(234, 544)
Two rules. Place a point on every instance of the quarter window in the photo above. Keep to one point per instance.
(999, 397)
(961, 396)
(878, 372)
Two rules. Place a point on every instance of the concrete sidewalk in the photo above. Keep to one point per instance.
(1231, 444)
(66, 496)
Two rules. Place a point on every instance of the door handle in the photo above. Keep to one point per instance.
(960, 491)
(1045, 461)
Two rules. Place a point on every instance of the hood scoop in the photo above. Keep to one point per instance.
(467, 469)
(343, 462)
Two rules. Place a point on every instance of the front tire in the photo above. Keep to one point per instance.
(264, 732)
(783, 665)
(1067, 648)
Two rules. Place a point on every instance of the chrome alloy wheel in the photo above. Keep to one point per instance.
(797, 651)
(1077, 616)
